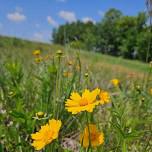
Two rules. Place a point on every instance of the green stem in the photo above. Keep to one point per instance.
(56, 110)
(89, 133)
(124, 146)
(20, 147)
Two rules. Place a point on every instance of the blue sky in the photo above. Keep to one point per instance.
(35, 19)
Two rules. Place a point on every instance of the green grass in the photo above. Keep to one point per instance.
(104, 67)
(24, 48)
(130, 64)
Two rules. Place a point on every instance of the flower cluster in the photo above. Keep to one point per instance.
(87, 102)
(77, 103)
(38, 58)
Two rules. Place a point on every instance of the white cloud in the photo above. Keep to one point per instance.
(16, 16)
(88, 19)
(68, 16)
(51, 21)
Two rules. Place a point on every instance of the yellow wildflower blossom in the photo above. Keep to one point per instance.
(86, 102)
(96, 137)
(78, 68)
(46, 57)
(104, 97)
(36, 52)
(86, 74)
(115, 82)
(38, 59)
(70, 62)
(40, 114)
(59, 52)
(67, 74)
(150, 91)
(46, 134)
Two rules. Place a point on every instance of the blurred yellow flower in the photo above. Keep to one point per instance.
(138, 88)
(96, 137)
(59, 52)
(46, 134)
(150, 91)
(142, 99)
(38, 59)
(115, 82)
(104, 97)
(40, 114)
(67, 74)
(86, 102)
(36, 52)
(86, 74)
(46, 57)
(78, 68)
(70, 62)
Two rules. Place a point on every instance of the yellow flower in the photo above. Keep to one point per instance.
(104, 97)
(36, 52)
(138, 88)
(40, 114)
(86, 102)
(150, 91)
(59, 52)
(142, 99)
(115, 82)
(38, 59)
(86, 74)
(67, 74)
(46, 57)
(70, 62)
(78, 68)
(46, 134)
(96, 137)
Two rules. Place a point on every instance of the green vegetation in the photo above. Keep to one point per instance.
(116, 34)
(35, 87)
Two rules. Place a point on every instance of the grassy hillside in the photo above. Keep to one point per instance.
(103, 66)
(20, 46)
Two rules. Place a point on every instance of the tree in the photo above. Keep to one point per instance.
(108, 36)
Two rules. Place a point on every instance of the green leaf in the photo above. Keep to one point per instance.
(17, 114)
(1, 148)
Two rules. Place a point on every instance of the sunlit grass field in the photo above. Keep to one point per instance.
(76, 101)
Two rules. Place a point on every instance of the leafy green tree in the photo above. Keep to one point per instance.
(144, 46)
(108, 35)
(130, 28)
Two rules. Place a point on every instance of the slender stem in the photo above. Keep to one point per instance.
(57, 94)
(89, 133)
(124, 146)
(20, 147)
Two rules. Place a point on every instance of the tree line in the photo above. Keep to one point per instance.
(116, 34)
